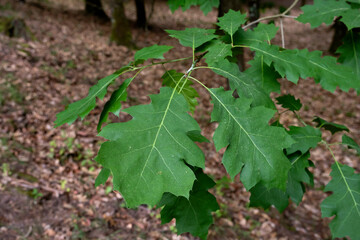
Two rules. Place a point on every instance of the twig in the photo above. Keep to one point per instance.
(282, 33)
(281, 15)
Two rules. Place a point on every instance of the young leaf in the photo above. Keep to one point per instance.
(102, 177)
(306, 137)
(323, 11)
(192, 37)
(332, 127)
(231, 21)
(253, 147)
(288, 101)
(154, 51)
(194, 214)
(148, 154)
(217, 51)
(171, 79)
(350, 143)
(114, 103)
(350, 52)
(344, 202)
(82, 107)
(263, 75)
(242, 83)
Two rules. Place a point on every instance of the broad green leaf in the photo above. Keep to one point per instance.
(264, 197)
(231, 21)
(290, 102)
(306, 137)
(263, 75)
(262, 32)
(148, 155)
(154, 51)
(350, 143)
(196, 136)
(217, 51)
(350, 52)
(298, 175)
(323, 11)
(253, 147)
(82, 107)
(171, 79)
(102, 177)
(332, 127)
(192, 37)
(206, 6)
(194, 214)
(344, 202)
(351, 18)
(242, 83)
(114, 103)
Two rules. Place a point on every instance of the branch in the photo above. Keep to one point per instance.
(281, 15)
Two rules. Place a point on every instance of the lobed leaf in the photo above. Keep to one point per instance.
(288, 101)
(194, 214)
(346, 140)
(217, 51)
(83, 107)
(192, 37)
(154, 51)
(252, 146)
(306, 137)
(332, 127)
(150, 153)
(114, 103)
(344, 202)
(172, 78)
(231, 21)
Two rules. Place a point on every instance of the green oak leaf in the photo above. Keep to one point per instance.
(150, 153)
(290, 102)
(295, 189)
(171, 79)
(194, 214)
(332, 127)
(114, 103)
(207, 5)
(83, 107)
(298, 175)
(217, 51)
(252, 146)
(350, 52)
(242, 83)
(350, 143)
(322, 11)
(192, 37)
(154, 51)
(306, 137)
(196, 136)
(102, 177)
(231, 21)
(262, 32)
(263, 75)
(351, 18)
(265, 198)
(344, 202)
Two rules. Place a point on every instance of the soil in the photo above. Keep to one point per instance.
(47, 174)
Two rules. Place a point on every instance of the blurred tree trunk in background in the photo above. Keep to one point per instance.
(254, 11)
(226, 5)
(120, 29)
(94, 7)
(140, 14)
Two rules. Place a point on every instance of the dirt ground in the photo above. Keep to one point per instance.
(47, 175)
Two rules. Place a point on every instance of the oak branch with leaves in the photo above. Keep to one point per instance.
(154, 159)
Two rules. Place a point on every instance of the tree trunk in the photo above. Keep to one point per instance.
(140, 14)
(94, 7)
(120, 30)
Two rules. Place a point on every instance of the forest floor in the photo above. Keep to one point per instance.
(47, 175)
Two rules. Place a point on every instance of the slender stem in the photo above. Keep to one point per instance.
(274, 16)
(282, 33)
(163, 62)
(300, 119)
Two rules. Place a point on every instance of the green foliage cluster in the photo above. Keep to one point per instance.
(154, 159)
